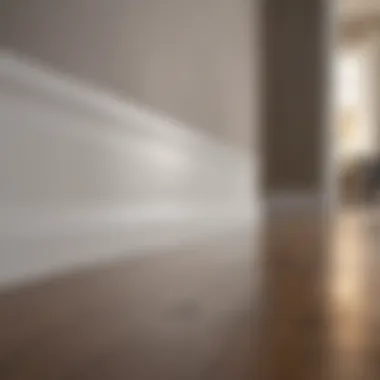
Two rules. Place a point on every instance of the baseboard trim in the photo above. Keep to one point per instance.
(292, 204)
(83, 147)
(20, 73)
(70, 245)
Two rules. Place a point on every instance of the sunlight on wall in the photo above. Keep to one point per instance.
(354, 96)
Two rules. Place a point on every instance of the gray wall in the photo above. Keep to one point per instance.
(296, 95)
(191, 59)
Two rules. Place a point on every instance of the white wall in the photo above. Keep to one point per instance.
(356, 90)
(86, 176)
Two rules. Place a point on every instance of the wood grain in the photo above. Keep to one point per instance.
(217, 309)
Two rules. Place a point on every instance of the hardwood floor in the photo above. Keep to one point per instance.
(228, 309)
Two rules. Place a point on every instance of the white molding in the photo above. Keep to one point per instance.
(40, 237)
(44, 253)
(19, 73)
(292, 204)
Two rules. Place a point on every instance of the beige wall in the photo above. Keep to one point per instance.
(191, 59)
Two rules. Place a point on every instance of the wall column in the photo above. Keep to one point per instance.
(294, 81)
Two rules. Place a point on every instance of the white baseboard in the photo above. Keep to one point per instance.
(31, 252)
(293, 204)
(87, 177)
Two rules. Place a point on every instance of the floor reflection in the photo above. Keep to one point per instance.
(349, 299)
(305, 308)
